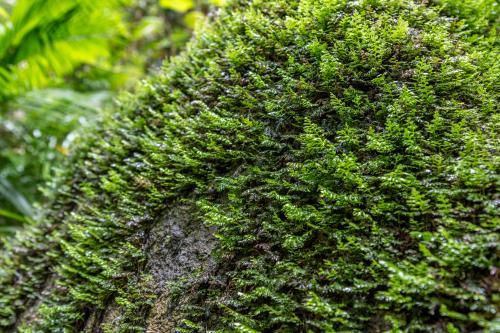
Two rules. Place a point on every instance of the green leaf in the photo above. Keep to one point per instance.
(178, 5)
(14, 197)
(193, 18)
(218, 2)
(3, 13)
(12, 216)
(47, 39)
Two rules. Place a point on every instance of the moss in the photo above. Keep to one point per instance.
(346, 153)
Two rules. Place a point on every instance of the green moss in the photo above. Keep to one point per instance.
(347, 153)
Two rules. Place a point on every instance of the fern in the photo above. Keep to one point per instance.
(43, 40)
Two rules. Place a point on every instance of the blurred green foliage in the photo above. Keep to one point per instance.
(36, 133)
(44, 40)
(61, 64)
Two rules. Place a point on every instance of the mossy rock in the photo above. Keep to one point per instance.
(304, 166)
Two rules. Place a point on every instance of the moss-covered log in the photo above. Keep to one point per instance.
(304, 166)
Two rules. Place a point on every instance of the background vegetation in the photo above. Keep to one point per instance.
(62, 62)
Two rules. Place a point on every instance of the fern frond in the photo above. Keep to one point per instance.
(43, 40)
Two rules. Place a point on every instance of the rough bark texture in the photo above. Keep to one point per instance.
(178, 250)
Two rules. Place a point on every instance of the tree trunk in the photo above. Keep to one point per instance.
(305, 166)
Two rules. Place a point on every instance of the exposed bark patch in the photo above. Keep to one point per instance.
(178, 246)
(178, 250)
(179, 254)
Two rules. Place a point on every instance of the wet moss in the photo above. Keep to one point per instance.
(345, 152)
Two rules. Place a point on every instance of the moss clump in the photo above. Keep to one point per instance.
(345, 151)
